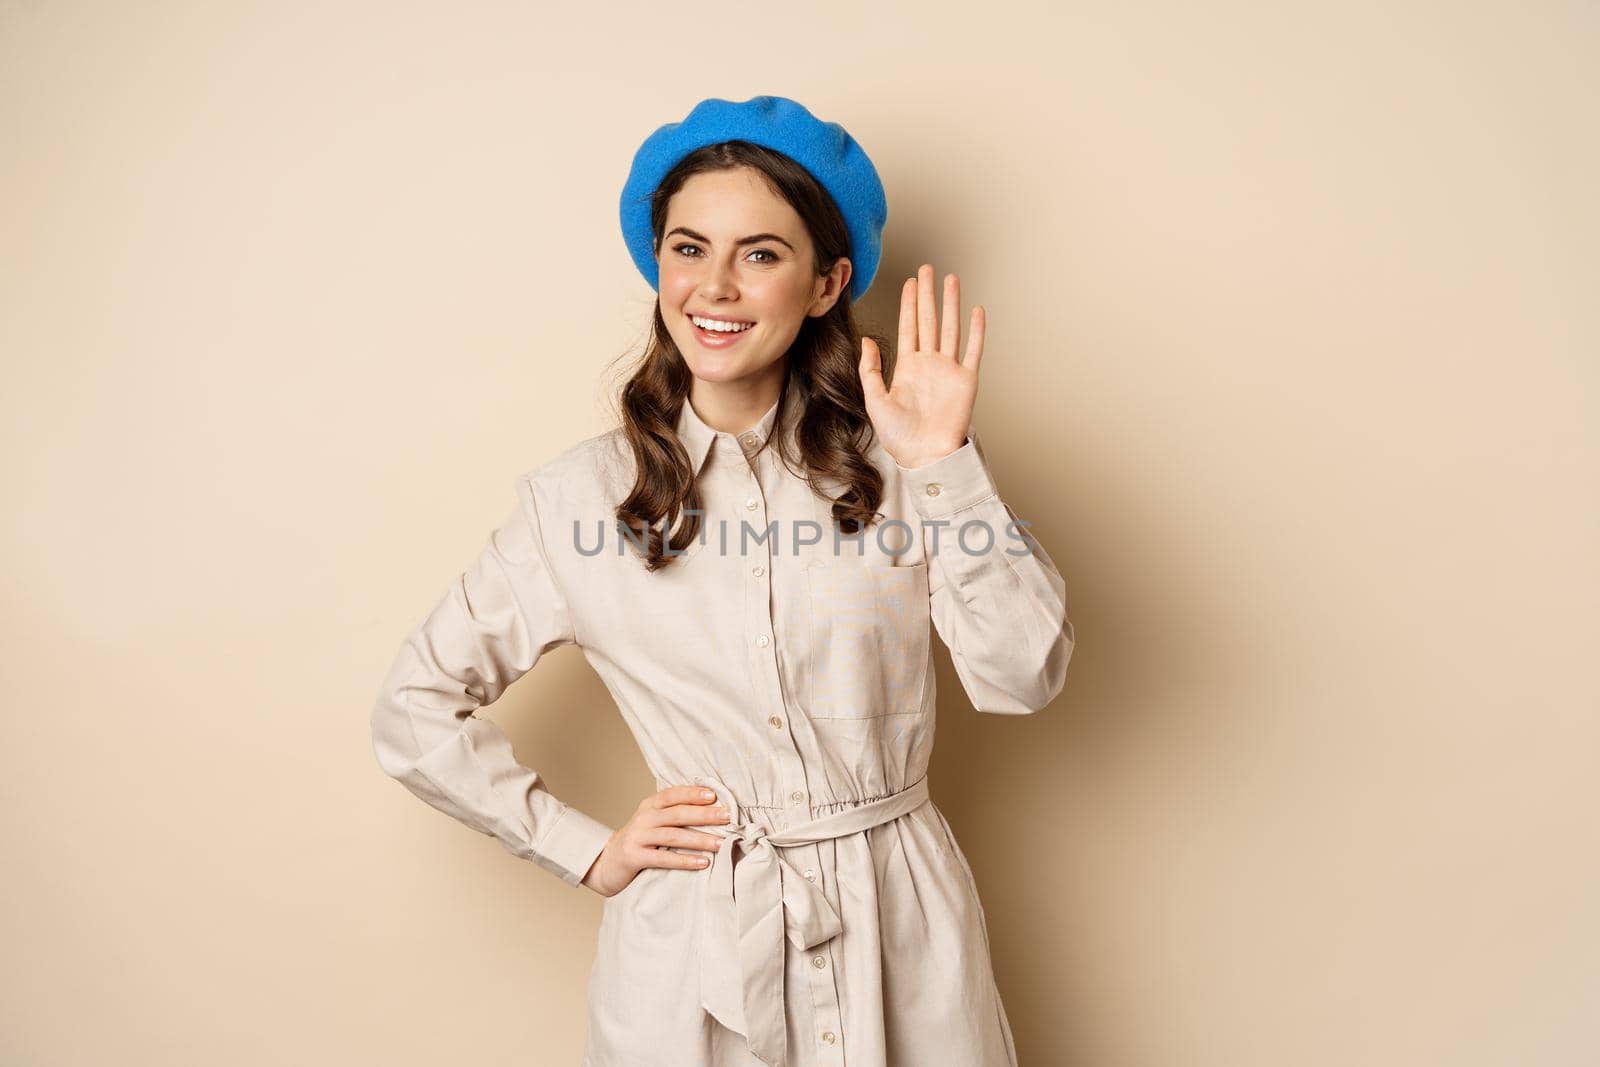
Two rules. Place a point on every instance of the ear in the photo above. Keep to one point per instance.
(830, 286)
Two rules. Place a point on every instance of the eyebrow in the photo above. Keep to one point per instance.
(752, 239)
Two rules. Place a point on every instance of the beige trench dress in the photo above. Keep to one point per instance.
(839, 924)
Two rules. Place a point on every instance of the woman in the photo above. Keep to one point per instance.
(751, 562)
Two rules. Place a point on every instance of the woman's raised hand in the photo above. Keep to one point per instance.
(647, 839)
(925, 416)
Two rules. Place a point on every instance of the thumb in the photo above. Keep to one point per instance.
(871, 368)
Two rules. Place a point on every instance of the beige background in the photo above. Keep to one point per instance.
(1291, 360)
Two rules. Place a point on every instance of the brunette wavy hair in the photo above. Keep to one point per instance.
(832, 431)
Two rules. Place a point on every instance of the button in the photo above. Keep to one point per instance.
(763, 640)
(758, 570)
(777, 723)
(797, 796)
(811, 874)
(933, 488)
(819, 962)
(749, 438)
(750, 503)
(827, 1035)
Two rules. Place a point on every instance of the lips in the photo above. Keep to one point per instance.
(718, 338)
(718, 318)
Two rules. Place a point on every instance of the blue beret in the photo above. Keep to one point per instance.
(823, 148)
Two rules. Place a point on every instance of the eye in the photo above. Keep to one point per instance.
(772, 257)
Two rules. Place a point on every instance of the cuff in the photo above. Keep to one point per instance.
(572, 846)
(951, 483)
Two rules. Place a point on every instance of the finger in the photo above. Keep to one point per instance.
(927, 334)
(681, 794)
(950, 326)
(692, 815)
(908, 316)
(871, 368)
(975, 339)
(665, 857)
(673, 837)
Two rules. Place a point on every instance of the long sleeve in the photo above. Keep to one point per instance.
(491, 626)
(1002, 615)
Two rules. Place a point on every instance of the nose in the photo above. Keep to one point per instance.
(717, 282)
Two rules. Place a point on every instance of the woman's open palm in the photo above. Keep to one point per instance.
(925, 415)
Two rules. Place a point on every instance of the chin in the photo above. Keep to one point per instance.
(713, 370)
(714, 366)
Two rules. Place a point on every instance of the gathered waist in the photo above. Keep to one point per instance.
(807, 820)
(776, 813)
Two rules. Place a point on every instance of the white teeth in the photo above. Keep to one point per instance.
(719, 326)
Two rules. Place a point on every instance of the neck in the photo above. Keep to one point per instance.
(733, 407)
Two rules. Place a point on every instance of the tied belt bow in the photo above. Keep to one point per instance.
(748, 907)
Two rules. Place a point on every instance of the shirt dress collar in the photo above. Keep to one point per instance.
(700, 440)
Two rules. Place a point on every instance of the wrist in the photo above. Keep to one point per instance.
(930, 455)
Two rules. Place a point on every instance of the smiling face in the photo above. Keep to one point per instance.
(736, 253)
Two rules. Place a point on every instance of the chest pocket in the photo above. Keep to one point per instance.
(869, 630)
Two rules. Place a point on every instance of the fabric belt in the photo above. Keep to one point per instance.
(749, 907)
